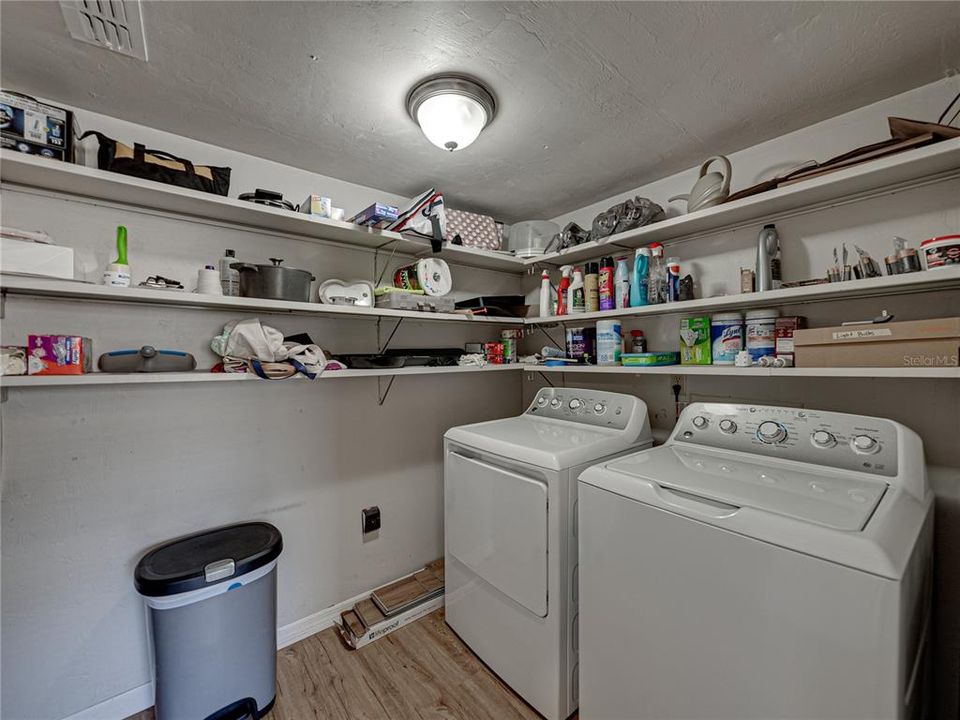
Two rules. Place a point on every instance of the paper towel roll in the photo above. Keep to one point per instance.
(208, 281)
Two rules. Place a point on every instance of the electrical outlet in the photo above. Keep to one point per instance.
(371, 519)
(677, 380)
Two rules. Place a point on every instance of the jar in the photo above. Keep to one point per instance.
(726, 336)
(761, 332)
(639, 344)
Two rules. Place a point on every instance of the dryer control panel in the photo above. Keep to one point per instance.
(589, 407)
(848, 442)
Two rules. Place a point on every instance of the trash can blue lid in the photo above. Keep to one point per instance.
(182, 565)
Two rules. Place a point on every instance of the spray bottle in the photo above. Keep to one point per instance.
(576, 296)
(546, 293)
(639, 281)
(621, 282)
(657, 275)
(562, 307)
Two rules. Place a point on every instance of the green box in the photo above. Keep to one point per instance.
(695, 346)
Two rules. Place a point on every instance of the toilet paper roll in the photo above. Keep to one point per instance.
(208, 281)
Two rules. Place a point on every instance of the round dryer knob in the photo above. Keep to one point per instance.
(771, 432)
(541, 401)
(599, 408)
(823, 439)
(865, 444)
(555, 403)
(728, 426)
(575, 404)
(700, 422)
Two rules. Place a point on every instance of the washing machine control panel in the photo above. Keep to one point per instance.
(589, 407)
(849, 442)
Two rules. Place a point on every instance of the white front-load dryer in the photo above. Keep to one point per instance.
(763, 563)
(510, 539)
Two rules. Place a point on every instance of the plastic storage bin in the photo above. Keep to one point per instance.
(212, 600)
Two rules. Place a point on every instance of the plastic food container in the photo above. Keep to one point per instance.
(726, 337)
(761, 332)
(942, 251)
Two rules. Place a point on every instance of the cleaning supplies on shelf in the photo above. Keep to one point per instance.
(208, 281)
(564, 290)
(621, 284)
(672, 280)
(229, 276)
(640, 279)
(609, 342)
(639, 342)
(768, 259)
(657, 275)
(117, 273)
(606, 287)
(581, 342)
(761, 332)
(726, 334)
(650, 359)
(591, 286)
(695, 345)
(546, 294)
(576, 299)
(59, 354)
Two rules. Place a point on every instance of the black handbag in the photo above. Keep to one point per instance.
(159, 166)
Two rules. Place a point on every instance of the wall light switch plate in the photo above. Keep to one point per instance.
(371, 519)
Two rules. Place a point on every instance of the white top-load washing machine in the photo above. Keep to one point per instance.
(765, 563)
(511, 551)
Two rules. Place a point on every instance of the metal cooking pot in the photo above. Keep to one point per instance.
(273, 282)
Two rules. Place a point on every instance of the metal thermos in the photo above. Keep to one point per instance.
(768, 249)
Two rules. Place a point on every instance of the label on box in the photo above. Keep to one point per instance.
(857, 334)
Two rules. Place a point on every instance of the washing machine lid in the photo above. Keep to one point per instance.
(545, 443)
(831, 499)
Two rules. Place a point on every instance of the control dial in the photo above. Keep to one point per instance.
(823, 439)
(771, 433)
(599, 408)
(728, 426)
(700, 422)
(864, 444)
(555, 403)
(541, 401)
(576, 404)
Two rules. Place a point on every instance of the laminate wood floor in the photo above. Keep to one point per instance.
(420, 672)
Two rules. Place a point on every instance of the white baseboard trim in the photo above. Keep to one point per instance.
(119, 707)
(140, 698)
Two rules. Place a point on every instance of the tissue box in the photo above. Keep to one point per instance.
(59, 355)
(33, 258)
(695, 341)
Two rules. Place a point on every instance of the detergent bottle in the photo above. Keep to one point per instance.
(638, 283)
(576, 295)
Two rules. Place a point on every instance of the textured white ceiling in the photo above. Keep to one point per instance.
(594, 98)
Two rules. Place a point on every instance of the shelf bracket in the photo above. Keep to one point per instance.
(540, 328)
(545, 379)
(383, 346)
(3, 305)
(381, 393)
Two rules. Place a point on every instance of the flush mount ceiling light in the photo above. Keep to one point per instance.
(451, 110)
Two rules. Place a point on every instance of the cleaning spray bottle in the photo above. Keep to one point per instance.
(546, 293)
(576, 296)
(117, 273)
(638, 283)
(657, 277)
(562, 307)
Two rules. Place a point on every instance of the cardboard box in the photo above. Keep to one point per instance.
(35, 128)
(916, 343)
(59, 355)
(34, 258)
(695, 345)
(317, 206)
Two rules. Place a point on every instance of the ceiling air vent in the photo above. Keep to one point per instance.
(112, 24)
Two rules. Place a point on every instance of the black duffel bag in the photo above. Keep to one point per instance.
(159, 166)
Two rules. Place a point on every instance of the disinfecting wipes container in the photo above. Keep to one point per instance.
(726, 336)
(609, 342)
(761, 332)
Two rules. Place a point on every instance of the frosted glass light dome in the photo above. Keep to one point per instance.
(452, 111)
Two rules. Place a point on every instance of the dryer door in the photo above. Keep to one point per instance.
(496, 525)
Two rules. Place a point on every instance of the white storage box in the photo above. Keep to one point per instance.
(33, 258)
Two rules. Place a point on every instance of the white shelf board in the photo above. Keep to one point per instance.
(949, 373)
(75, 289)
(101, 378)
(906, 169)
(925, 281)
(31, 171)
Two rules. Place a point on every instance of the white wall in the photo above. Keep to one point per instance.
(92, 477)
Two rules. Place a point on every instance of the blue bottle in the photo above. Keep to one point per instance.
(641, 272)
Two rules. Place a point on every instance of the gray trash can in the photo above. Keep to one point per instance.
(212, 600)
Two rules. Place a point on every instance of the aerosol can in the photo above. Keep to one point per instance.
(546, 294)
